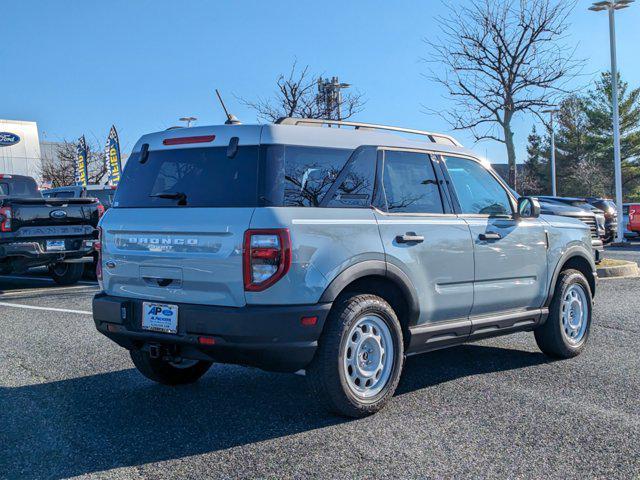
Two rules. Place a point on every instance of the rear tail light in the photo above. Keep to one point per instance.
(266, 257)
(5, 219)
(98, 248)
(100, 210)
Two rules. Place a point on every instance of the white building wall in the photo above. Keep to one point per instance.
(23, 158)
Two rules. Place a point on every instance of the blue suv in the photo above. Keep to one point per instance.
(330, 248)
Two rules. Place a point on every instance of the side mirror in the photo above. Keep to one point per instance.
(528, 207)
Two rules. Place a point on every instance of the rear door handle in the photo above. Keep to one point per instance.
(409, 238)
(490, 236)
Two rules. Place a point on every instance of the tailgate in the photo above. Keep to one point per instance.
(34, 214)
(176, 255)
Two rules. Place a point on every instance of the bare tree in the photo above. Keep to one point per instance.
(499, 58)
(296, 95)
(60, 170)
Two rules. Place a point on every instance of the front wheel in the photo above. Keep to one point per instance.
(66, 273)
(169, 373)
(565, 333)
(360, 354)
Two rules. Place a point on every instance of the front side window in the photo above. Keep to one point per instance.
(477, 190)
(409, 183)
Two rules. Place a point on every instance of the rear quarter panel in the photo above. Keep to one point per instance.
(324, 242)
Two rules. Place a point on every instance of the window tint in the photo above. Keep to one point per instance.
(410, 184)
(64, 194)
(356, 186)
(105, 196)
(309, 173)
(18, 187)
(195, 177)
(477, 190)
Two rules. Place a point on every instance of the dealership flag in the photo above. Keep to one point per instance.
(114, 162)
(81, 172)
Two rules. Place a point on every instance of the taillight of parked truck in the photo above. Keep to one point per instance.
(5, 219)
(98, 248)
(266, 257)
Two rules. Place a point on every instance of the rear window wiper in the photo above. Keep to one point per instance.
(180, 196)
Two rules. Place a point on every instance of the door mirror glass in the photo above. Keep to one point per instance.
(528, 207)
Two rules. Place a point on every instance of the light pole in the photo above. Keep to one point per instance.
(551, 112)
(188, 120)
(611, 6)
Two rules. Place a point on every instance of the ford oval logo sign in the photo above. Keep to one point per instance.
(7, 139)
(58, 214)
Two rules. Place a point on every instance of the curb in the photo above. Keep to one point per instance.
(629, 269)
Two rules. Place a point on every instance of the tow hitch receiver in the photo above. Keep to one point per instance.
(164, 352)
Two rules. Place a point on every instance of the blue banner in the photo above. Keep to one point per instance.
(81, 170)
(112, 156)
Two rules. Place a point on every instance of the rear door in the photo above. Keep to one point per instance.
(422, 236)
(175, 231)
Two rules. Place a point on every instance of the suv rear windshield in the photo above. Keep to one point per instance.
(194, 177)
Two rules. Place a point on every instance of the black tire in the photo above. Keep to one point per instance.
(67, 273)
(326, 374)
(550, 336)
(164, 372)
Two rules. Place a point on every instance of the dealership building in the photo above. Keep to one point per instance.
(20, 148)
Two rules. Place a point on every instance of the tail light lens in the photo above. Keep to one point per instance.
(100, 210)
(5, 219)
(98, 248)
(266, 257)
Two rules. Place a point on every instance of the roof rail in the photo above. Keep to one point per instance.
(433, 137)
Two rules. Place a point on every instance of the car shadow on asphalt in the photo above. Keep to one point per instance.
(118, 419)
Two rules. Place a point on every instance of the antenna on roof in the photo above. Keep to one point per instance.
(231, 118)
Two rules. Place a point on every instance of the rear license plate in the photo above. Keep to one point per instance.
(160, 317)
(55, 245)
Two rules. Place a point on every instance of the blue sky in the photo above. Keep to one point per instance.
(78, 66)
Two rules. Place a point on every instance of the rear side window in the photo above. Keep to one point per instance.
(409, 183)
(309, 173)
(356, 181)
(194, 177)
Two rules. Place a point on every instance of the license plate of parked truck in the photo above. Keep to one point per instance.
(335, 251)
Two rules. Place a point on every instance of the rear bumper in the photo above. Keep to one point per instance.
(33, 249)
(268, 337)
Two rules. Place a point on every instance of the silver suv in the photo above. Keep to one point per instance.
(334, 251)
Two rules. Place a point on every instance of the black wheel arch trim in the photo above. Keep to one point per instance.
(572, 252)
(379, 268)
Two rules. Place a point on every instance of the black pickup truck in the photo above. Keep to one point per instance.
(36, 231)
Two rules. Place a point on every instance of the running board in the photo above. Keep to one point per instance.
(433, 336)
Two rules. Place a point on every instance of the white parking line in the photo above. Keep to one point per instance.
(47, 279)
(46, 290)
(47, 309)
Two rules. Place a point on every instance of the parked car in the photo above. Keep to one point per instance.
(329, 250)
(610, 210)
(37, 231)
(104, 193)
(583, 204)
(594, 221)
(631, 221)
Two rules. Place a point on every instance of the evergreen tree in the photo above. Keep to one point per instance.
(599, 111)
(534, 179)
(574, 153)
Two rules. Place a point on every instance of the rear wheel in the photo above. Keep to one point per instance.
(66, 273)
(565, 333)
(359, 359)
(169, 373)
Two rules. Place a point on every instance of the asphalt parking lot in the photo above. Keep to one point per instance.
(72, 405)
